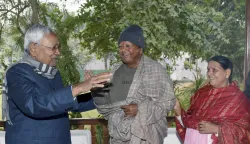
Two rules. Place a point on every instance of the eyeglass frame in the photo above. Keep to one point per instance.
(54, 48)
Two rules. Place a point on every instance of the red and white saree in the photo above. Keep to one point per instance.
(228, 107)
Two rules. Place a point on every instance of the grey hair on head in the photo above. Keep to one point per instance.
(34, 34)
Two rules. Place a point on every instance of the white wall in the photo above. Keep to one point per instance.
(180, 73)
(96, 65)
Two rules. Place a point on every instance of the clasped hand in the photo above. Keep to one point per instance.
(205, 127)
(130, 110)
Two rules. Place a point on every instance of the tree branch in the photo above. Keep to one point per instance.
(18, 18)
(35, 15)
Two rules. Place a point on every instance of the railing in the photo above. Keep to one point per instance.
(81, 122)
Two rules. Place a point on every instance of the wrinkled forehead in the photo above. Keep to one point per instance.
(123, 43)
(50, 37)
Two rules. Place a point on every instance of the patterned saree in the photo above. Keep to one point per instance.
(227, 107)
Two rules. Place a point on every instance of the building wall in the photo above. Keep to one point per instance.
(180, 73)
(97, 65)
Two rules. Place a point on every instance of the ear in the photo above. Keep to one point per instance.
(32, 49)
(141, 50)
(228, 73)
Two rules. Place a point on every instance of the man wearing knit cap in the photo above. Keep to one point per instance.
(139, 96)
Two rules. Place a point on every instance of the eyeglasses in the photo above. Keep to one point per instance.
(54, 48)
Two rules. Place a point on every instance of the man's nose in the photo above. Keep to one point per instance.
(122, 48)
(57, 52)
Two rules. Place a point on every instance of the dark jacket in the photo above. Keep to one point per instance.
(39, 107)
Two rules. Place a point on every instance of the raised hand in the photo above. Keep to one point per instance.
(88, 74)
(96, 81)
(99, 80)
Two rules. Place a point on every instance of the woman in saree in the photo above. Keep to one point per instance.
(219, 111)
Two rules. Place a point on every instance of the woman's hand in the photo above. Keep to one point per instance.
(206, 127)
(177, 108)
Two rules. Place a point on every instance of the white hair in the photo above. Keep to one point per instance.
(34, 34)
